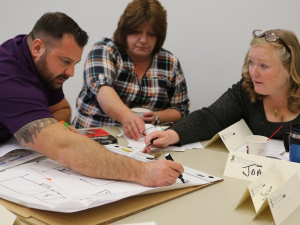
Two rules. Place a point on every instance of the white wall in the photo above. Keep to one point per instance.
(210, 38)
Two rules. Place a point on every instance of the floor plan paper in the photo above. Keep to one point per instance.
(17, 157)
(13, 153)
(47, 185)
(10, 145)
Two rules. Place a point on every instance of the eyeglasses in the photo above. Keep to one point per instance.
(167, 124)
(270, 37)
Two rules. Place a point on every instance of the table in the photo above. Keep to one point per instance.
(212, 205)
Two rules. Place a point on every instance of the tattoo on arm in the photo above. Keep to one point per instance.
(28, 132)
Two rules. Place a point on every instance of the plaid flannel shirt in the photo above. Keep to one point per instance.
(163, 85)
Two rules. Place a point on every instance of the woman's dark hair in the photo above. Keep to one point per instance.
(137, 14)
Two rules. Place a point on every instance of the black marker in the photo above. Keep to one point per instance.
(169, 157)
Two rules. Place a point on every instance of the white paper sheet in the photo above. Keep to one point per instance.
(127, 152)
(47, 185)
(10, 145)
(139, 143)
(13, 153)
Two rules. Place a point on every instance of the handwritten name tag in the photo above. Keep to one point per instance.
(274, 188)
(246, 167)
(285, 199)
(262, 187)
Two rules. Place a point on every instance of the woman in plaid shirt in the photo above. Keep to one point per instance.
(133, 70)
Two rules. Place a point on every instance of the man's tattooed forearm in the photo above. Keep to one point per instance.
(28, 132)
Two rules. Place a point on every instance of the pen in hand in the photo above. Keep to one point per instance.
(169, 157)
(143, 147)
(151, 142)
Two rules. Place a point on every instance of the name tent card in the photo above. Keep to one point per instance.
(273, 190)
(262, 187)
(7, 217)
(233, 136)
(285, 199)
(246, 167)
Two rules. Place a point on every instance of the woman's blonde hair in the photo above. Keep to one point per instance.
(288, 50)
(137, 14)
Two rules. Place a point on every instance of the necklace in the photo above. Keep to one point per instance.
(276, 112)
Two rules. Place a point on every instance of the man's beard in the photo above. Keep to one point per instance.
(48, 78)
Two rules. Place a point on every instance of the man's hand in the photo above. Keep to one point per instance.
(160, 173)
(133, 125)
(85, 156)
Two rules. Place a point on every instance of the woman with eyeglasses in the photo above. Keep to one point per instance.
(133, 70)
(266, 97)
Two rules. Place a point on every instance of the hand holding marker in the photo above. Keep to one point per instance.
(169, 157)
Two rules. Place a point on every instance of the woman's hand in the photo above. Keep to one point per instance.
(149, 117)
(164, 138)
(133, 126)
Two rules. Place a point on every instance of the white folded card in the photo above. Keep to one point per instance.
(246, 167)
(8, 218)
(250, 167)
(261, 188)
(273, 189)
(233, 136)
(285, 199)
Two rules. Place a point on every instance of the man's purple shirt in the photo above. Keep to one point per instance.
(23, 98)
